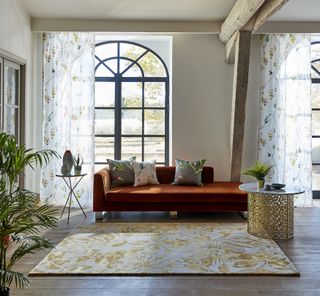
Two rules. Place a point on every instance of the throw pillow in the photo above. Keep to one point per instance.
(188, 172)
(144, 173)
(121, 172)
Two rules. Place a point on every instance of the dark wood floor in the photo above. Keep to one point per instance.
(303, 250)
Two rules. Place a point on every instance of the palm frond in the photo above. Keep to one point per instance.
(19, 278)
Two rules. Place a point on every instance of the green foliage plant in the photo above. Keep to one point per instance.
(258, 171)
(21, 219)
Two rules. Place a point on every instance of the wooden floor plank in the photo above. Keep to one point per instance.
(303, 250)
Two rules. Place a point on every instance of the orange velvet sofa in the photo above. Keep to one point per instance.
(211, 197)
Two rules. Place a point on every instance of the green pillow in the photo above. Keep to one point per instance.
(121, 172)
(188, 172)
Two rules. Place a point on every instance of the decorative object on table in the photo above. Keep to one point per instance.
(77, 164)
(121, 172)
(258, 171)
(145, 173)
(277, 185)
(268, 187)
(67, 163)
(271, 213)
(188, 172)
(71, 187)
(181, 248)
(21, 219)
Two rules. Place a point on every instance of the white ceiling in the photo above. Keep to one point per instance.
(163, 10)
(181, 10)
(298, 11)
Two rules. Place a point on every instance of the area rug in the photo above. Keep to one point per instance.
(165, 248)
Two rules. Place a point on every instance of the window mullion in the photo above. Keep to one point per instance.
(117, 139)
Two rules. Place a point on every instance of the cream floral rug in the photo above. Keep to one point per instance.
(165, 248)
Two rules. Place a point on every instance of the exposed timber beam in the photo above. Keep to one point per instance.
(268, 8)
(230, 48)
(240, 14)
(239, 97)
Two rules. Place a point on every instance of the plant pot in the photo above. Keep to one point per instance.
(77, 170)
(6, 240)
(261, 183)
(4, 291)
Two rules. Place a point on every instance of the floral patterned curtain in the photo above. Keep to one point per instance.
(285, 110)
(68, 110)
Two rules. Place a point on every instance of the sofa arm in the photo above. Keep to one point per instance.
(101, 185)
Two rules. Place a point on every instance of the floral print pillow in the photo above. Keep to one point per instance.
(188, 172)
(144, 173)
(121, 172)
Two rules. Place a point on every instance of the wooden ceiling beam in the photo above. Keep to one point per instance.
(268, 8)
(240, 14)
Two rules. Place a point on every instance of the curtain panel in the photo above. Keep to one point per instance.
(284, 133)
(68, 111)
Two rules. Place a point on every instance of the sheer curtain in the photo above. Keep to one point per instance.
(285, 110)
(68, 110)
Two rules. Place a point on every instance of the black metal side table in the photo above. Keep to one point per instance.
(72, 187)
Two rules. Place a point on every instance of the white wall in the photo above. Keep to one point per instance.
(201, 103)
(16, 38)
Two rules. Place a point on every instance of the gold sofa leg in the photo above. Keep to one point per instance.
(173, 215)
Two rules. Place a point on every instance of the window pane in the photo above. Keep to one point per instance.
(154, 148)
(315, 50)
(133, 71)
(315, 69)
(11, 121)
(154, 122)
(104, 148)
(131, 51)
(131, 146)
(103, 71)
(154, 94)
(152, 66)
(104, 94)
(315, 95)
(316, 123)
(131, 122)
(106, 51)
(98, 167)
(104, 122)
(124, 64)
(131, 94)
(315, 154)
(11, 85)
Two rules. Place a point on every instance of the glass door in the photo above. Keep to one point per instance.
(11, 98)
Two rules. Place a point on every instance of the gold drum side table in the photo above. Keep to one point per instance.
(270, 213)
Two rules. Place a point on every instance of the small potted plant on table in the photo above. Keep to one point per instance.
(21, 219)
(258, 171)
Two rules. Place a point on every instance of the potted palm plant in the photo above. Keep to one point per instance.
(258, 171)
(21, 220)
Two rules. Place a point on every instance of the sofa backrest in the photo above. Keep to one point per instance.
(166, 174)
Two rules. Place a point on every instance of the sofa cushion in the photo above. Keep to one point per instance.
(166, 174)
(144, 173)
(225, 192)
(188, 172)
(121, 172)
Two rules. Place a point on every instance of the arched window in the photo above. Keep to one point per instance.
(131, 103)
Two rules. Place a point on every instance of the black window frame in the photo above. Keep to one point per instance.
(118, 79)
(316, 193)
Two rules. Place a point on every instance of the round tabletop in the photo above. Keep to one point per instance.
(254, 188)
(71, 175)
